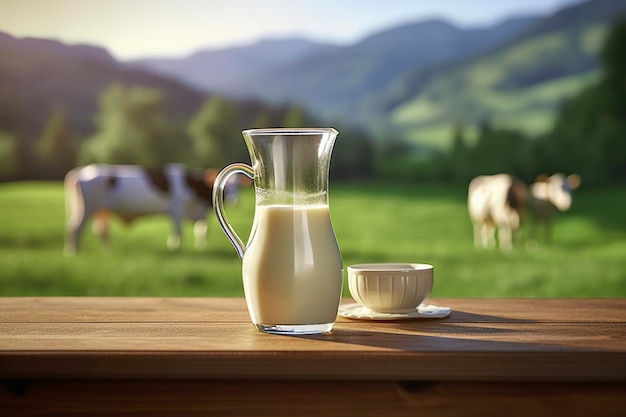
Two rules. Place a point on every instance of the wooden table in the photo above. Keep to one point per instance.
(202, 357)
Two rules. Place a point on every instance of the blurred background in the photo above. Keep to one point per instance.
(426, 96)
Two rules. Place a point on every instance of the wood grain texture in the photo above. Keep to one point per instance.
(207, 338)
(197, 357)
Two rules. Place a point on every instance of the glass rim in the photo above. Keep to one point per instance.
(294, 131)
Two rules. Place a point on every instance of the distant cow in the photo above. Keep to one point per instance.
(547, 195)
(130, 192)
(496, 202)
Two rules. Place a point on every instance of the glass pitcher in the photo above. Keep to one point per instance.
(292, 269)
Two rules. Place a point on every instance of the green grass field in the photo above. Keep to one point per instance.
(373, 223)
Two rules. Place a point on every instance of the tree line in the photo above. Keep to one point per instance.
(588, 136)
(132, 126)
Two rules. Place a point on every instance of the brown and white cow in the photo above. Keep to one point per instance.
(548, 194)
(496, 203)
(129, 191)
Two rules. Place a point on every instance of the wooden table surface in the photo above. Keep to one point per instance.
(529, 344)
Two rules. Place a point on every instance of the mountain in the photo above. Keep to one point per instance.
(331, 80)
(37, 75)
(336, 82)
(47, 84)
(518, 84)
(339, 82)
(50, 48)
(221, 70)
(414, 81)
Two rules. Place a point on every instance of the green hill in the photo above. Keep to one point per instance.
(519, 85)
(485, 90)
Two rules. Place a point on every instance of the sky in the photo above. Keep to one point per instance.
(131, 29)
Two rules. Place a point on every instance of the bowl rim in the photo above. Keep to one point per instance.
(390, 267)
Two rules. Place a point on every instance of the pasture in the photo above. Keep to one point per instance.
(373, 223)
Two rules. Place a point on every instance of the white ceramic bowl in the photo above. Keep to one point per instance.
(390, 287)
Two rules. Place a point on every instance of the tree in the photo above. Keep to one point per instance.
(263, 118)
(353, 155)
(614, 60)
(296, 116)
(8, 165)
(216, 136)
(132, 129)
(497, 150)
(57, 149)
(589, 135)
(613, 130)
(457, 161)
(23, 157)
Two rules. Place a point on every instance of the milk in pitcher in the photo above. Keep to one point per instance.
(292, 268)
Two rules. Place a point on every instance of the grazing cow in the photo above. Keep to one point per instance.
(130, 192)
(496, 202)
(546, 195)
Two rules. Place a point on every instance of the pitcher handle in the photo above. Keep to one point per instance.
(218, 202)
